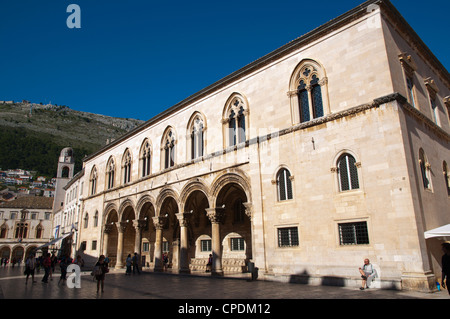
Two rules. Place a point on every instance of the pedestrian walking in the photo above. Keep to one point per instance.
(136, 264)
(165, 261)
(209, 264)
(79, 261)
(54, 260)
(63, 264)
(30, 265)
(47, 263)
(445, 266)
(100, 269)
(128, 265)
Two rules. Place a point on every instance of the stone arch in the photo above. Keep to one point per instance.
(165, 193)
(110, 209)
(18, 252)
(128, 203)
(191, 186)
(144, 200)
(236, 176)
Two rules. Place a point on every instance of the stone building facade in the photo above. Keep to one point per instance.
(331, 149)
(25, 225)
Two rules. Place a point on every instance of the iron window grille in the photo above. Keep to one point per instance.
(237, 244)
(288, 237)
(353, 234)
(205, 245)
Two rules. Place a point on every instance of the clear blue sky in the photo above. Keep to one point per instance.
(136, 58)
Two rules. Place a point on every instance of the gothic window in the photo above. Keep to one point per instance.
(21, 230)
(303, 102)
(96, 219)
(145, 158)
(168, 148)
(316, 97)
(196, 132)
(446, 176)
(425, 170)
(93, 181)
(308, 92)
(432, 94)
(447, 105)
(3, 231)
(110, 173)
(409, 68)
(126, 167)
(410, 87)
(86, 220)
(235, 121)
(347, 172)
(39, 232)
(284, 185)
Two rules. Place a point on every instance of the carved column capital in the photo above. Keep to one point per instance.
(121, 226)
(139, 224)
(107, 228)
(248, 210)
(215, 214)
(183, 218)
(159, 222)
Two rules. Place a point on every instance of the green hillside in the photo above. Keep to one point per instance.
(32, 135)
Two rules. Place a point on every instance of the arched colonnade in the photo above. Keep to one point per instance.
(188, 226)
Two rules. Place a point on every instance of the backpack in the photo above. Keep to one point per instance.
(97, 271)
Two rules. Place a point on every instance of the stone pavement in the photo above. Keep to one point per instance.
(162, 286)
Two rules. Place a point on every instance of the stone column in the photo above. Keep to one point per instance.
(215, 216)
(106, 230)
(120, 229)
(139, 225)
(159, 223)
(183, 219)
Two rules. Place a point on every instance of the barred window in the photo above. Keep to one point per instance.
(284, 185)
(288, 237)
(353, 233)
(237, 244)
(348, 173)
(145, 247)
(205, 245)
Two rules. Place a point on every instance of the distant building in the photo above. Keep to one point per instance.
(25, 225)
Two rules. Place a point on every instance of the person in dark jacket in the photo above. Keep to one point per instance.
(100, 269)
(445, 265)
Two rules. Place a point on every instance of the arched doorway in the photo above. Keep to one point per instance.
(170, 231)
(5, 252)
(147, 234)
(110, 237)
(199, 230)
(129, 233)
(17, 254)
(235, 228)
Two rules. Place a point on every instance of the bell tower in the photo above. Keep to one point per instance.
(66, 166)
